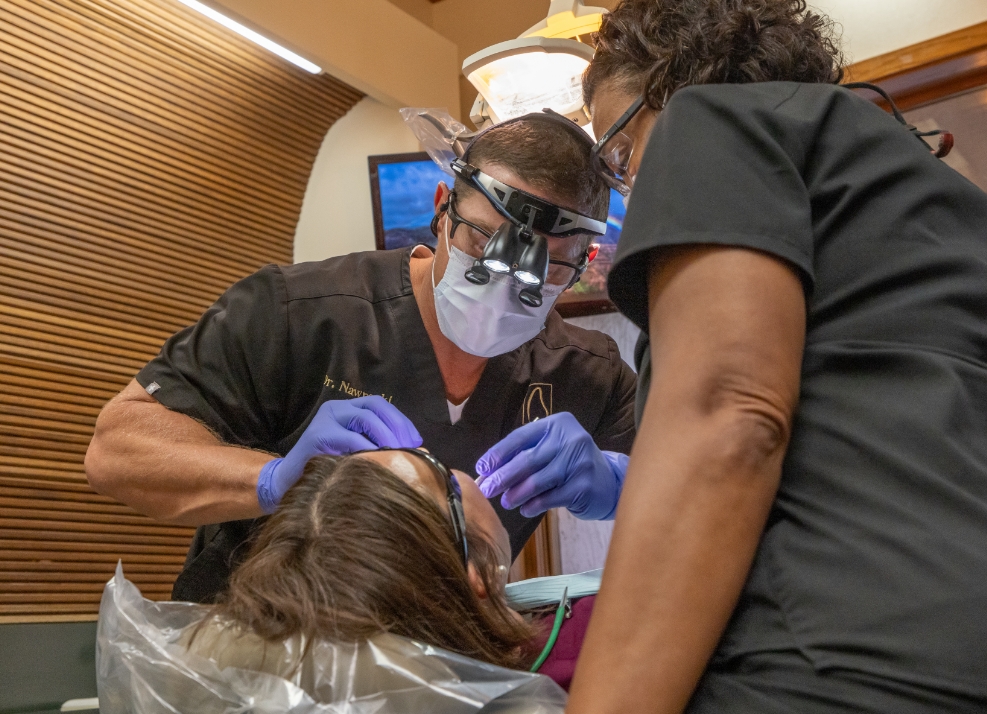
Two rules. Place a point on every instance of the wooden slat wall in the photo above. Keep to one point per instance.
(148, 159)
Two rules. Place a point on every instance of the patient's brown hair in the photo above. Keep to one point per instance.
(354, 551)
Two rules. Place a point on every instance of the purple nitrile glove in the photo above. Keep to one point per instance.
(340, 426)
(553, 463)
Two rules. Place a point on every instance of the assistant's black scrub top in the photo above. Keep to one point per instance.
(260, 362)
(869, 588)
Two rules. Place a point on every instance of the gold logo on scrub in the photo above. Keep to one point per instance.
(537, 402)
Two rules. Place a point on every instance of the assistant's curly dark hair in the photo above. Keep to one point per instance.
(655, 47)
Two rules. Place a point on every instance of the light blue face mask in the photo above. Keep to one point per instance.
(486, 320)
(536, 592)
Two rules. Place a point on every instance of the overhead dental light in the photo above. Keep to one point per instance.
(541, 69)
(255, 37)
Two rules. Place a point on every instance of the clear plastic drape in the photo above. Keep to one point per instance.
(148, 662)
(440, 135)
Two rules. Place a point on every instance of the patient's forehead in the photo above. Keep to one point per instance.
(411, 469)
(417, 473)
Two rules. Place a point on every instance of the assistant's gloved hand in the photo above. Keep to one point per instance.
(553, 463)
(339, 427)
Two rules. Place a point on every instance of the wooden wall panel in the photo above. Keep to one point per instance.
(148, 159)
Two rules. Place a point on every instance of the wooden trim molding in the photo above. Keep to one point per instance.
(930, 70)
(919, 56)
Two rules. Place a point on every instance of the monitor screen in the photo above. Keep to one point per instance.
(403, 190)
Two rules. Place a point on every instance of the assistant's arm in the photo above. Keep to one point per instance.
(169, 466)
(727, 332)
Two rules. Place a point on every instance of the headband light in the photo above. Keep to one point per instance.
(498, 266)
(520, 207)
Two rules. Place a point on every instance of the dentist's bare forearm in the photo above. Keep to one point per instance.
(169, 466)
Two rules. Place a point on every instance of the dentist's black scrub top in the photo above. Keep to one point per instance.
(868, 592)
(279, 343)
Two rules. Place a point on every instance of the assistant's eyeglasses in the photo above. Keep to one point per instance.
(611, 155)
(454, 498)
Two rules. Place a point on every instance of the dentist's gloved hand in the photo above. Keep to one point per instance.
(553, 463)
(339, 427)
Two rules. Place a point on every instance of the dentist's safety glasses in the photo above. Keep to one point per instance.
(508, 251)
(515, 248)
(147, 662)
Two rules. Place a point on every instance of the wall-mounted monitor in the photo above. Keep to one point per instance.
(402, 187)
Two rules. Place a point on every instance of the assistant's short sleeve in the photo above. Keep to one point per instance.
(723, 166)
(229, 369)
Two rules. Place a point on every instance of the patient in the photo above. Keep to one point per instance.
(366, 544)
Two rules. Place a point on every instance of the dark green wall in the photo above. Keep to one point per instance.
(42, 666)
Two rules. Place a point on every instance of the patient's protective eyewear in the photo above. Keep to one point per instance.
(454, 498)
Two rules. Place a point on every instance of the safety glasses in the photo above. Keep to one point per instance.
(559, 272)
(611, 155)
(454, 498)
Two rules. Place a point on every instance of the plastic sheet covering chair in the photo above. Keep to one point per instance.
(148, 662)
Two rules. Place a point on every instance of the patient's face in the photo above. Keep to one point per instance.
(479, 513)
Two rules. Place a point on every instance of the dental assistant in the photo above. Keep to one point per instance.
(804, 522)
(385, 349)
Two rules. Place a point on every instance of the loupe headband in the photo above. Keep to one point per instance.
(526, 210)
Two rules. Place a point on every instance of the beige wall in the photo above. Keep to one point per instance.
(336, 216)
(875, 27)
